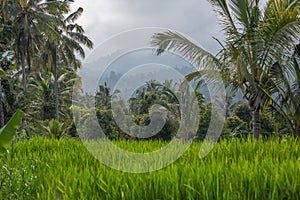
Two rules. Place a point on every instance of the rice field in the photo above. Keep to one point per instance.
(42, 168)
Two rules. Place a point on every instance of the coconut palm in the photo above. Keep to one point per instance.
(67, 41)
(285, 90)
(255, 36)
(42, 94)
(103, 97)
(31, 20)
(154, 93)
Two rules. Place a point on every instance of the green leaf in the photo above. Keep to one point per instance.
(2, 73)
(9, 130)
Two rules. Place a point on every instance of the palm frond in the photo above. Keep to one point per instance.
(223, 14)
(241, 9)
(175, 42)
(280, 28)
(74, 16)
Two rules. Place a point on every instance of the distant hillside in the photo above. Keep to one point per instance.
(103, 70)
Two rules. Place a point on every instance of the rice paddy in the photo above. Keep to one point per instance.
(42, 168)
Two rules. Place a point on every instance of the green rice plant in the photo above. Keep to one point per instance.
(54, 128)
(237, 169)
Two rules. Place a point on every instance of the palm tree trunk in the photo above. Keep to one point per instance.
(55, 81)
(297, 133)
(226, 110)
(256, 123)
(296, 129)
(1, 107)
(23, 73)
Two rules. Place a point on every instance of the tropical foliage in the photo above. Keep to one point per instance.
(256, 37)
(39, 43)
(285, 88)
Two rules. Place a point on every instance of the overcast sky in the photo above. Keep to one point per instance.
(105, 18)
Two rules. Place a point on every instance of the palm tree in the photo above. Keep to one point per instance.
(254, 37)
(41, 89)
(42, 98)
(285, 90)
(67, 41)
(155, 93)
(103, 97)
(32, 19)
(63, 42)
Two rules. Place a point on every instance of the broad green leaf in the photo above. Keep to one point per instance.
(9, 130)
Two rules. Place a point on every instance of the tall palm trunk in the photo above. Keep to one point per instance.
(23, 73)
(55, 80)
(22, 63)
(1, 107)
(256, 123)
(296, 129)
(297, 132)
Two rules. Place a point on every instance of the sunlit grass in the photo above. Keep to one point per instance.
(63, 169)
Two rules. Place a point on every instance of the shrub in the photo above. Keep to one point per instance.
(243, 111)
(235, 127)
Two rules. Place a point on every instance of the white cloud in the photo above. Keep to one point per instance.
(104, 18)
